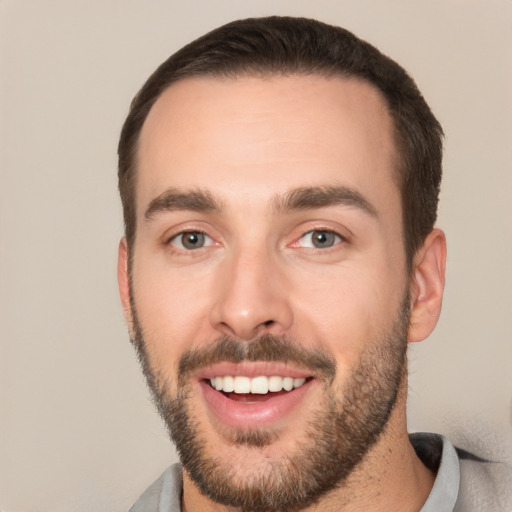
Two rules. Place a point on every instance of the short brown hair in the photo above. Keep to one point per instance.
(284, 45)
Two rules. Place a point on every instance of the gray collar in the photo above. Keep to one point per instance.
(435, 450)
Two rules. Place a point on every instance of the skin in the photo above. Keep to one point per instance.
(248, 141)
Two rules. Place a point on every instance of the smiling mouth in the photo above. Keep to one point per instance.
(255, 394)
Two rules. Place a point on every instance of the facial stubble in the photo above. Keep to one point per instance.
(337, 437)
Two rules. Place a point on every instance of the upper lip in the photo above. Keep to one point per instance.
(251, 369)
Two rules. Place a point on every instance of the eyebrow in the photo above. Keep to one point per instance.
(306, 198)
(173, 199)
(303, 198)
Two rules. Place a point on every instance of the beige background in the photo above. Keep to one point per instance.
(77, 432)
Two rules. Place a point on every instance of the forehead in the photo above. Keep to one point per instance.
(259, 135)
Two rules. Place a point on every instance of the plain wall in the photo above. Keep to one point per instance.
(77, 430)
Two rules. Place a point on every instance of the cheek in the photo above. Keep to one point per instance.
(345, 310)
(171, 308)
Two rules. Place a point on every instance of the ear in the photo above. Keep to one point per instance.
(123, 281)
(427, 285)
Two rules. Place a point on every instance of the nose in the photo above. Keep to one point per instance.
(251, 297)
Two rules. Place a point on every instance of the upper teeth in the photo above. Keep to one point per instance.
(259, 385)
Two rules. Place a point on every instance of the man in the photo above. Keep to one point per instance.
(280, 181)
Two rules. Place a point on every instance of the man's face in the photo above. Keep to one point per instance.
(269, 253)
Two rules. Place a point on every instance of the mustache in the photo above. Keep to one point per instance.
(267, 347)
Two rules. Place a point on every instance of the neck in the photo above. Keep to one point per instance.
(391, 477)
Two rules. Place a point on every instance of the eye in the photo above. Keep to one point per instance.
(319, 239)
(191, 240)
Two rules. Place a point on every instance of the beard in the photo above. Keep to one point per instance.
(337, 437)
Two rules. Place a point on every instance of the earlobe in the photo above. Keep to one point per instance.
(123, 281)
(427, 286)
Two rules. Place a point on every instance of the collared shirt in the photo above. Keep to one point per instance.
(434, 450)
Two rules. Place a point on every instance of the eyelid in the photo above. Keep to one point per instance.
(176, 234)
(186, 226)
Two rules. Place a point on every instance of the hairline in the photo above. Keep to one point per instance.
(253, 71)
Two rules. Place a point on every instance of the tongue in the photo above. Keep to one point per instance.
(251, 398)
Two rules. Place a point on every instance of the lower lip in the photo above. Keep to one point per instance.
(260, 414)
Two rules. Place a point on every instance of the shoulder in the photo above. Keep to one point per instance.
(473, 474)
(485, 458)
(164, 494)
(485, 484)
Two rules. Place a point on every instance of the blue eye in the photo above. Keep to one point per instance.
(319, 239)
(191, 240)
